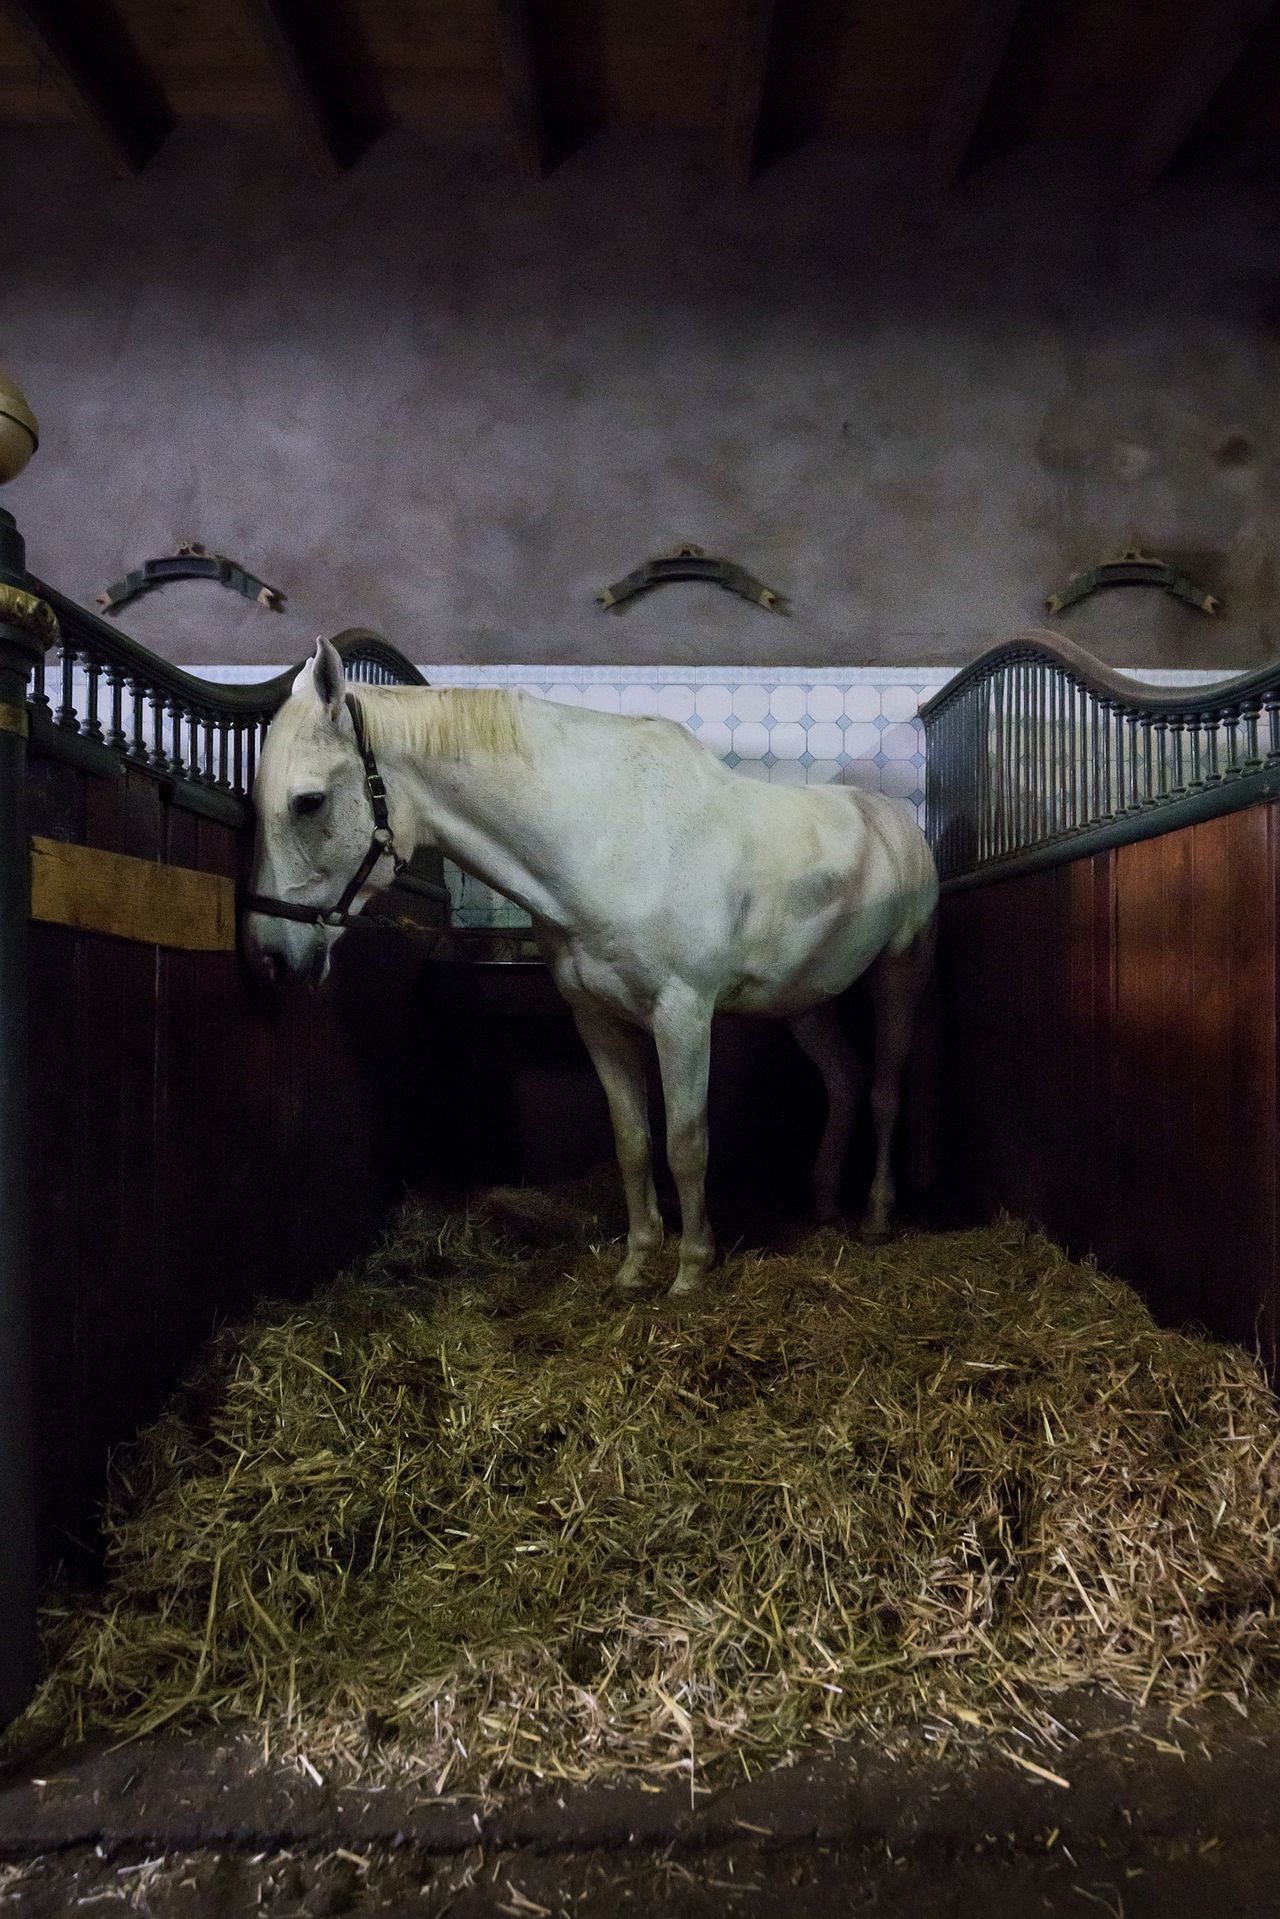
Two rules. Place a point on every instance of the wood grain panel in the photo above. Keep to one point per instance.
(1109, 1035)
(198, 1140)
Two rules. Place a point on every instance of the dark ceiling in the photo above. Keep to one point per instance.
(1149, 82)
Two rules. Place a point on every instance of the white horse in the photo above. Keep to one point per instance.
(662, 887)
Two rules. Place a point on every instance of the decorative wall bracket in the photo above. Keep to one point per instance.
(1132, 567)
(191, 562)
(689, 562)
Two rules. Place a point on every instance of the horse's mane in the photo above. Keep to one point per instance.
(452, 723)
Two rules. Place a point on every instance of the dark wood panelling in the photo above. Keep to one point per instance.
(198, 1140)
(1109, 1063)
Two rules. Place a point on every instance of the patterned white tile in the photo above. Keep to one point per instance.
(864, 774)
(713, 702)
(789, 702)
(750, 740)
(602, 699)
(676, 702)
(750, 702)
(787, 773)
(826, 741)
(640, 697)
(899, 702)
(823, 772)
(565, 695)
(788, 740)
(862, 702)
(716, 735)
(901, 740)
(898, 778)
(825, 702)
(862, 740)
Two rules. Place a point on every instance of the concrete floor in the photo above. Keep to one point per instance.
(1138, 1819)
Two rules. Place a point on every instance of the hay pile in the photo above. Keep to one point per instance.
(468, 1513)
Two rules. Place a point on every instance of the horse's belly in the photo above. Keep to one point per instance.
(800, 975)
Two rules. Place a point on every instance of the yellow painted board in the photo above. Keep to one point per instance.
(141, 900)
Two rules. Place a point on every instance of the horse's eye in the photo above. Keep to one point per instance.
(306, 804)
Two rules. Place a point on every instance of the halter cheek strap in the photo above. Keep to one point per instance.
(381, 843)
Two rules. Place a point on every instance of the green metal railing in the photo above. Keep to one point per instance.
(100, 689)
(1038, 753)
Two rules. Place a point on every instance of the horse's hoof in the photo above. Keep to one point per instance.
(625, 1282)
(876, 1235)
(685, 1283)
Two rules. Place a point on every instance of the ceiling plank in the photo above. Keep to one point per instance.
(88, 52)
(749, 49)
(322, 65)
(1206, 57)
(967, 91)
(523, 88)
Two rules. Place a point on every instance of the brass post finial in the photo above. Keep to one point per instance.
(19, 429)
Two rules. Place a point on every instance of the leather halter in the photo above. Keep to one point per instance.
(381, 841)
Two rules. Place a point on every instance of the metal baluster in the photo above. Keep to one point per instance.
(1133, 760)
(1232, 766)
(1073, 750)
(1211, 726)
(1162, 754)
(1148, 763)
(115, 730)
(159, 756)
(1252, 752)
(1020, 737)
(1272, 703)
(92, 728)
(137, 717)
(38, 696)
(1040, 787)
(239, 783)
(223, 745)
(1197, 762)
(67, 716)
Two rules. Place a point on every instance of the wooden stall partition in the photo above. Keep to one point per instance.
(1110, 1063)
(198, 1138)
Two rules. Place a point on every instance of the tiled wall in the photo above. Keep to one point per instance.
(855, 725)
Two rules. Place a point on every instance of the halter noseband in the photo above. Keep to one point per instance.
(381, 841)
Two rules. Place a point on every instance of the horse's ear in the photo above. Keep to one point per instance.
(330, 676)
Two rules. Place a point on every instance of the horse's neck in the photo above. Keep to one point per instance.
(506, 817)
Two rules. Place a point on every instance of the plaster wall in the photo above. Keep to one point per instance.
(436, 401)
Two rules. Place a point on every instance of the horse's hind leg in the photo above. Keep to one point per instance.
(896, 984)
(821, 1037)
(617, 1053)
(682, 1031)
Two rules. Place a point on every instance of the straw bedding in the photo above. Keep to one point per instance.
(466, 1512)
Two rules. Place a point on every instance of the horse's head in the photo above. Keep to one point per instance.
(315, 822)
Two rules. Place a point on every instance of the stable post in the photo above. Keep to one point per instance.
(25, 623)
(26, 626)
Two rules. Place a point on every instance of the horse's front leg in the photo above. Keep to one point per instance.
(682, 1032)
(617, 1053)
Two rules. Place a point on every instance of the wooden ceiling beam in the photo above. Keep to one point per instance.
(321, 62)
(523, 87)
(967, 91)
(1206, 57)
(87, 49)
(749, 52)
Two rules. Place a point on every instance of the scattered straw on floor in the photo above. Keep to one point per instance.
(468, 1513)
